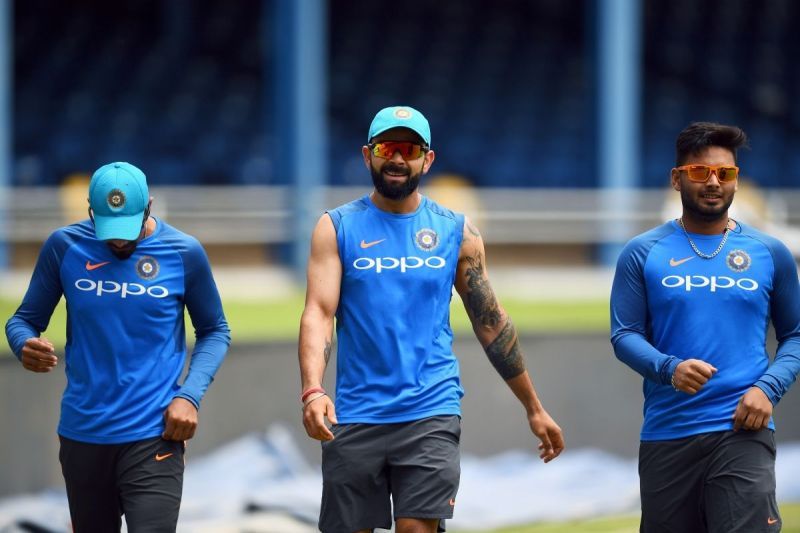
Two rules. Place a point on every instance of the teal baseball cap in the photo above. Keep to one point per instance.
(118, 196)
(400, 117)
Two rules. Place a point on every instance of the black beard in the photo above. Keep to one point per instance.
(124, 253)
(706, 214)
(392, 191)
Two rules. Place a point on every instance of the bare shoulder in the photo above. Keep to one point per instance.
(472, 241)
(323, 240)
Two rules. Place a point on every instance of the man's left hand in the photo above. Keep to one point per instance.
(180, 420)
(753, 412)
(544, 427)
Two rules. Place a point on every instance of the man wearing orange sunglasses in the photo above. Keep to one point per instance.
(384, 267)
(690, 306)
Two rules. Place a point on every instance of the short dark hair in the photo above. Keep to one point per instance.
(700, 135)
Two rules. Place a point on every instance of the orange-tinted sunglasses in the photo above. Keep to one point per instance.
(408, 150)
(701, 173)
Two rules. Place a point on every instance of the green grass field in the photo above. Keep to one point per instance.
(254, 321)
(630, 524)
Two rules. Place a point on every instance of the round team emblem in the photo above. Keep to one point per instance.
(402, 113)
(116, 198)
(738, 261)
(426, 239)
(147, 268)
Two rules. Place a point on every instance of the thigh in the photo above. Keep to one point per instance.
(355, 488)
(150, 479)
(88, 471)
(740, 487)
(671, 486)
(424, 465)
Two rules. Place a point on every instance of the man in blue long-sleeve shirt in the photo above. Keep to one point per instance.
(690, 308)
(126, 277)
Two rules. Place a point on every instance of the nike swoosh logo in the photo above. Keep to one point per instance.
(162, 457)
(674, 263)
(90, 266)
(369, 244)
(772, 521)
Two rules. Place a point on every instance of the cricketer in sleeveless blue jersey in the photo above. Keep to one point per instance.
(382, 269)
(126, 278)
(690, 308)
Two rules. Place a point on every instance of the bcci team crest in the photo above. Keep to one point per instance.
(738, 261)
(402, 113)
(147, 268)
(426, 239)
(116, 199)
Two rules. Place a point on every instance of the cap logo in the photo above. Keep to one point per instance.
(402, 113)
(147, 267)
(426, 239)
(116, 199)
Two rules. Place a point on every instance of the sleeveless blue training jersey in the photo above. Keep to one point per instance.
(126, 346)
(395, 361)
(668, 305)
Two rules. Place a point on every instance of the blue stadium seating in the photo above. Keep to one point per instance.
(182, 87)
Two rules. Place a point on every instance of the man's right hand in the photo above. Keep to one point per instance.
(691, 375)
(314, 414)
(38, 355)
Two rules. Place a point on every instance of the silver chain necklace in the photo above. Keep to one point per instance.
(697, 250)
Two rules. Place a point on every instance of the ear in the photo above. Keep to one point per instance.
(675, 179)
(366, 155)
(428, 161)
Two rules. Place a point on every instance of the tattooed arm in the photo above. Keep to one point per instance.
(497, 335)
(316, 326)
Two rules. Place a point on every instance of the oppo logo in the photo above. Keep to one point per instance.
(403, 263)
(713, 283)
(124, 289)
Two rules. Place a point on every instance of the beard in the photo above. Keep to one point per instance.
(394, 191)
(707, 213)
(124, 252)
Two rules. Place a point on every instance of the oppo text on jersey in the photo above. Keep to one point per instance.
(403, 263)
(713, 283)
(125, 289)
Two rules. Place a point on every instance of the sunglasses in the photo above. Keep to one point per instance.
(408, 150)
(701, 173)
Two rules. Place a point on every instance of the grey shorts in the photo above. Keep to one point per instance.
(720, 482)
(142, 479)
(416, 464)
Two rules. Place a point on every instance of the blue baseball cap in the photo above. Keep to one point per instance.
(118, 197)
(400, 117)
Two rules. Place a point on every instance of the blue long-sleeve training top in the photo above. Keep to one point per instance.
(668, 304)
(126, 344)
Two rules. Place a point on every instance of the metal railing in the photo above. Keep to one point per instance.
(261, 214)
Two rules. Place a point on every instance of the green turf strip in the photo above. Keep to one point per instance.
(256, 321)
(627, 524)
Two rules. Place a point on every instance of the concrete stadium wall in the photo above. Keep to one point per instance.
(596, 400)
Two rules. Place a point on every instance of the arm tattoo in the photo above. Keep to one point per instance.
(327, 351)
(504, 353)
(480, 297)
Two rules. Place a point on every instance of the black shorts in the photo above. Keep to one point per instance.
(142, 480)
(720, 482)
(417, 463)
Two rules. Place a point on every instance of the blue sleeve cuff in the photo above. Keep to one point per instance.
(187, 396)
(767, 389)
(668, 370)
